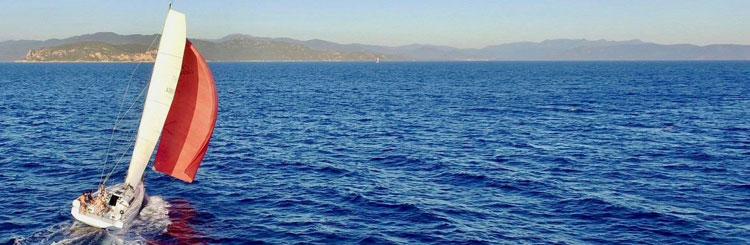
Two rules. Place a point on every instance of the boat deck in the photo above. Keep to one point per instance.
(122, 205)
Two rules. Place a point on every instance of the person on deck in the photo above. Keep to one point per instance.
(82, 203)
(99, 202)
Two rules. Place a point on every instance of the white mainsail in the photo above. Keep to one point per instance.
(161, 90)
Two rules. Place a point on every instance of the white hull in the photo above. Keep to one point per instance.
(119, 215)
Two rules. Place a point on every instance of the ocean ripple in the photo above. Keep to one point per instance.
(399, 153)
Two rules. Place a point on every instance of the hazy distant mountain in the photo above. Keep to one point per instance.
(566, 49)
(556, 49)
(407, 52)
(651, 51)
(113, 38)
(237, 47)
(245, 49)
(546, 50)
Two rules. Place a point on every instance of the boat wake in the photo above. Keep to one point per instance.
(152, 221)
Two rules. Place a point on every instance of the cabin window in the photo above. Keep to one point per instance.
(113, 200)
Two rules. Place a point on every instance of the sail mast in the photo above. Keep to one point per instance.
(160, 93)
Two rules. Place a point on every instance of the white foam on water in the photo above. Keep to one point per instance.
(69, 232)
(152, 221)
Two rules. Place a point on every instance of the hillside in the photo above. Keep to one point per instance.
(240, 49)
(92, 52)
(243, 49)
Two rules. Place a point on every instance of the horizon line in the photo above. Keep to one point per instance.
(384, 45)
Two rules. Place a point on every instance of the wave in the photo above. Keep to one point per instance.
(499, 159)
(332, 170)
(397, 160)
(400, 161)
(737, 129)
(462, 178)
(635, 219)
(323, 168)
(566, 109)
(484, 109)
(687, 167)
(407, 211)
(375, 239)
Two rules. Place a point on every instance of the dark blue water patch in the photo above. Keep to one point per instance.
(565, 170)
(590, 208)
(398, 161)
(402, 153)
(332, 170)
(499, 159)
(685, 167)
(596, 210)
(561, 161)
(405, 212)
(485, 110)
(737, 129)
(462, 178)
(525, 186)
(737, 187)
(375, 239)
(701, 156)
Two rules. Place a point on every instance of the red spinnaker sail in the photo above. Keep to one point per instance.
(191, 119)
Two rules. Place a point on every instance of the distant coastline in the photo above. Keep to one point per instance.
(77, 61)
(226, 61)
(112, 47)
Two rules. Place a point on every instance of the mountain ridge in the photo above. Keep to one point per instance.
(238, 49)
(243, 47)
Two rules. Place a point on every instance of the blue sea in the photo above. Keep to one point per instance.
(397, 153)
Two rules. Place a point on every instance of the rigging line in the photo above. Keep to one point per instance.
(132, 141)
(131, 132)
(133, 135)
(137, 99)
(119, 109)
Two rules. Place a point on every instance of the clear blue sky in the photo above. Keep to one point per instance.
(461, 23)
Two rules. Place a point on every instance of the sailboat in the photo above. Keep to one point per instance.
(180, 109)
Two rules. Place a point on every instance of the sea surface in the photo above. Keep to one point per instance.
(397, 152)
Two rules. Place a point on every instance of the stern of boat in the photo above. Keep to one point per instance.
(122, 208)
(94, 220)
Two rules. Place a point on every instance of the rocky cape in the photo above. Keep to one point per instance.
(112, 47)
(92, 52)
